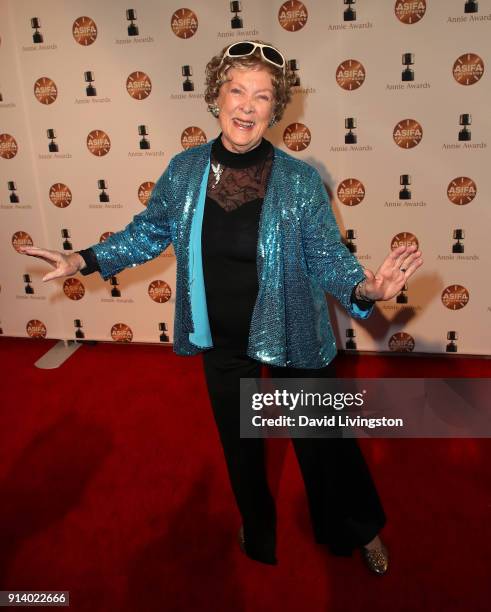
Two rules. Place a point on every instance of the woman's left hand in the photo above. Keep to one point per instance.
(392, 275)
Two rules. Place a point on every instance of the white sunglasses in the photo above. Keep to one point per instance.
(246, 47)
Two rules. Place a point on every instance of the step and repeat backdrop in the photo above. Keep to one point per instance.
(391, 105)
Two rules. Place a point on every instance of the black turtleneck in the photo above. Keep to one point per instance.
(236, 187)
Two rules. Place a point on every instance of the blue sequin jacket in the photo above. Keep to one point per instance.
(299, 257)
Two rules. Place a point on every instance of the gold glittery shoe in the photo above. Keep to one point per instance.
(377, 560)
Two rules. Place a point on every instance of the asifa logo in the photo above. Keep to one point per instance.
(297, 136)
(350, 74)
(184, 23)
(351, 192)
(292, 15)
(407, 134)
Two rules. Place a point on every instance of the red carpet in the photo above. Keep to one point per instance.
(112, 486)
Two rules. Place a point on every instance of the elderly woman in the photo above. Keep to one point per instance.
(257, 248)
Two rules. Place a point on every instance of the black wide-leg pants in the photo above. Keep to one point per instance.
(344, 505)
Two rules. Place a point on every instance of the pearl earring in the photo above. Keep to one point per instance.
(214, 110)
(273, 121)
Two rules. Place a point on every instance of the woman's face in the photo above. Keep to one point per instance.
(246, 102)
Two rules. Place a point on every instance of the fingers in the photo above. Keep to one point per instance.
(54, 274)
(413, 266)
(45, 254)
(400, 260)
(408, 259)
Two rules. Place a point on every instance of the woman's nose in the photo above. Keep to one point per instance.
(247, 107)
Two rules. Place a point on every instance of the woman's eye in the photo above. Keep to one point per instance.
(235, 90)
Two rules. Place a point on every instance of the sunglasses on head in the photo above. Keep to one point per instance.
(245, 48)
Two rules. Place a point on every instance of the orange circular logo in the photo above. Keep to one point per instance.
(105, 236)
(461, 190)
(8, 146)
(98, 143)
(159, 291)
(192, 137)
(84, 31)
(410, 12)
(400, 342)
(60, 195)
(406, 239)
(350, 74)
(73, 289)
(184, 23)
(297, 136)
(138, 85)
(407, 133)
(351, 192)
(120, 332)
(21, 238)
(468, 69)
(455, 297)
(45, 90)
(145, 191)
(292, 15)
(36, 329)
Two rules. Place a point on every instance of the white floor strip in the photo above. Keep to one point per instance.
(58, 354)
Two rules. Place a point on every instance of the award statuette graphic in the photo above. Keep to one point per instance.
(350, 137)
(461, 190)
(184, 23)
(145, 191)
(292, 15)
(407, 62)
(27, 280)
(143, 132)
(67, 245)
(132, 27)
(52, 146)
(90, 90)
(236, 21)
(349, 12)
(458, 235)
(294, 67)
(402, 296)
(350, 74)
(350, 236)
(79, 334)
(455, 297)
(164, 337)
(115, 292)
(350, 339)
(464, 121)
(451, 347)
(103, 195)
(297, 137)
(37, 37)
(13, 197)
(351, 192)
(187, 84)
(405, 192)
(471, 6)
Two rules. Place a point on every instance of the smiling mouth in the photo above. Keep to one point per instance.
(243, 125)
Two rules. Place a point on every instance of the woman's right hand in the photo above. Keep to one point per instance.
(64, 265)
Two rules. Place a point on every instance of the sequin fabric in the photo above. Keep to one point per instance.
(299, 257)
